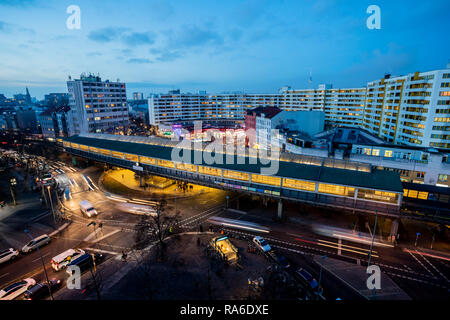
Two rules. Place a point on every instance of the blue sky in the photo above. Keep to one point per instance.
(251, 46)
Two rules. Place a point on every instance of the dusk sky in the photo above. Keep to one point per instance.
(252, 46)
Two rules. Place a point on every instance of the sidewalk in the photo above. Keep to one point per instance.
(123, 182)
(355, 277)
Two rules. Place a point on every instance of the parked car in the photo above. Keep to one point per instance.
(41, 290)
(60, 261)
(307, 277)
(262, 244)
(16, 289)
(87, 208)
(8, 255)
(37, 242)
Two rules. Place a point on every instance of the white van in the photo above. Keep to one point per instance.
(60, 261)
(37, 242)
(87, 208)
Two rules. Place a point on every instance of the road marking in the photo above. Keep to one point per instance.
(422, 264)
(103, 251)
(433, 266)
(4, 275)
(48, 253)
(41, 216)
(106, 236)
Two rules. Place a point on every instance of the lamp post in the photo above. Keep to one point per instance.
(51, 203)
(12, 183)
(373, 237)
(320, 275)
(43, 264)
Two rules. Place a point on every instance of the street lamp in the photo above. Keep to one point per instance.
(320, 275)
(51, 203)
(373, 237)
(12, 183)
(43, 264)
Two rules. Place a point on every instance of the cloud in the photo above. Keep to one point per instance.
(16, 3)
(139, 61)
(9, 27)
(193, 36)
(138, 38)
(106, 34)
(124, 35)
(166, 55)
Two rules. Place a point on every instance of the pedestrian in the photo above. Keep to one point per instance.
(201, 228)
(124, 256)
(198, 242)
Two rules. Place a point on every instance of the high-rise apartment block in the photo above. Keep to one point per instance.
(409, 110)
(97, 106)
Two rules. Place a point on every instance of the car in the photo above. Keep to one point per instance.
(37, 242)
(16, 289)
(88, 209)
(283, 262)
(84, 262)
(262, 244)
(40, 290)
(8, 255)
(60, 261)
(307, 277)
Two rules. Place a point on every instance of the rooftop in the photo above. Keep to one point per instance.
(376, 179)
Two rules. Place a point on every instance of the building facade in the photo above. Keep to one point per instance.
(97, 106)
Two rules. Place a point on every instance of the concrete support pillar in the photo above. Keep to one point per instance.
(280, 209)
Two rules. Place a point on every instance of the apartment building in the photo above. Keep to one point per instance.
(97, 106)
(411, 110)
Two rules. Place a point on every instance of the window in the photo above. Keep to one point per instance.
(275, 181)
(236, 175)
(166, 163)
(148, 160)
(337, 190)
(443, 178)
(376, 152)
(131, 157)
(187, 167)
(210, 171)
(299, 184)
(117, 154)
(388, 153)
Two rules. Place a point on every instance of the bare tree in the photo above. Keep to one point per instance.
(155, 228)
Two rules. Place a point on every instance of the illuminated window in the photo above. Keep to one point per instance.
(376, 152)
(75, 146)
(84, 148)
(187, 167)
(117, 154)
(338, 190)
(412, 194)
(423, 195)
(405, 192)
(210, 171)
(388, 153)
(236, 175)
(92, 149)
(299, 184)
(367, 151)
(166, 163)
(105, 152)
(148, 160)
(256, 178)
(131, 157)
